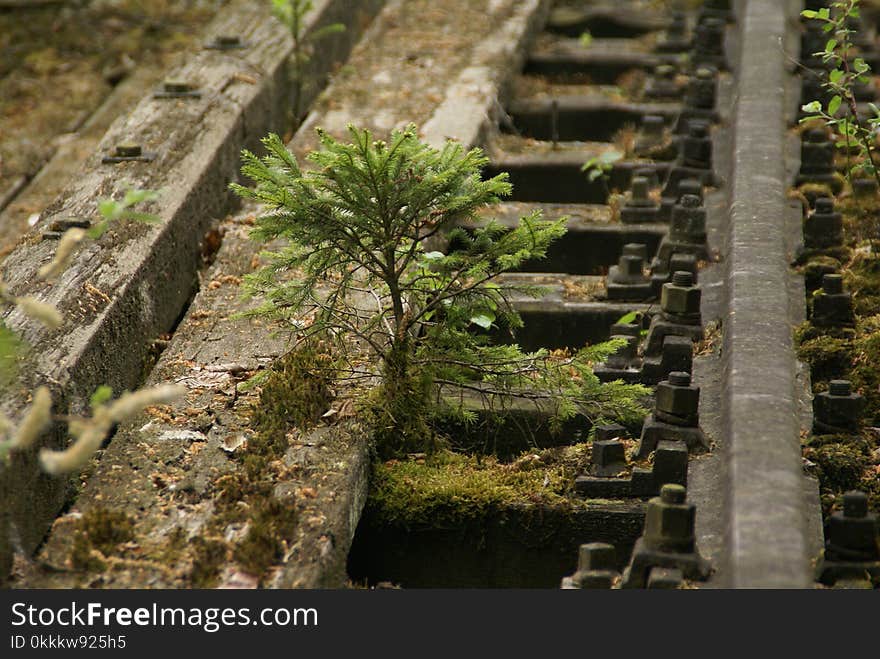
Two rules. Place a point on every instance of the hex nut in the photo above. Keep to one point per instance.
(680, 402)
(608, 452)
(669, 521)
(596, 556)
(680, 300)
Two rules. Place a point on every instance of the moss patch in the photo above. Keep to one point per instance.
(450, 489)
(814, 266)
(847, 462)
(861, 218)
(862, 278)
(865, 374)
(843, 463)
(828, 357)
(296, 392)
(271, 525)
(293, 395)
(209, 555)
(102, 530)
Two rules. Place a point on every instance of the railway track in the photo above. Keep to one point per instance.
(686, 241)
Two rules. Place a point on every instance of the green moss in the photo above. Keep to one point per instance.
(271, 527)
(812, 191)
(450, 489)
(861, 218)
(81, 556)
(209, 556)
(865, 374)
(296, 392)
(100, 529)
(862, 279)
(843, 463)
(828, 357)
(808, 332)
(840, 465)
(815, 266)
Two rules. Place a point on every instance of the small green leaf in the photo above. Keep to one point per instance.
(102, 395)
(109, 208)
(98, 230)
(483, 319)
(834, 105)
(590, 164)
(433, 256)
(134, 196)
(145, 218)
(327, 30)
(812, 107)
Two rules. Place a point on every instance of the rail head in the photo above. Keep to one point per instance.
(766, 540)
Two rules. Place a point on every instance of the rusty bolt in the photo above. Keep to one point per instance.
(669, 521)
(677, 401)
(677, 25)
(817, 154)
(630, 269)
(596, 556)
(609, 452)
(680, 297)
(596, 566)
(690, 186)
(823, 227)
(684, 263)
(664, 578)
(840, 388)
(652, 125)
(855, 504)
(864, 187)
(650, 174)
(688, 223)
(227, 42)
(701, 91)
(670, 463)
(696, 147)
(639, 195)
(638, 205)
(832, 306)
(176, 86)
(636, 249)
(708, 40)
(838, 409)
(128, 150)
(852, 534)
(832, 284)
